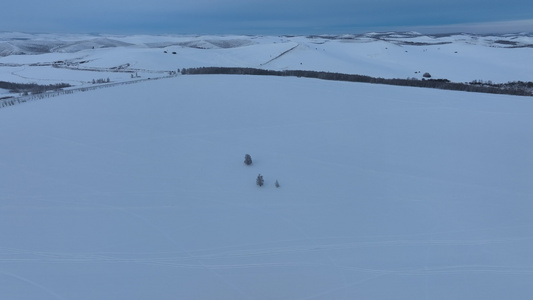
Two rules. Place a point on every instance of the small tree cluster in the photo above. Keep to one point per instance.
(259, 180)
(101, 80)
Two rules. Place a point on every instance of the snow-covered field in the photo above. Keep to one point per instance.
(140, 191)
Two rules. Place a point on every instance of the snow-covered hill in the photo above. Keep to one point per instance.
(459, 58)
(140, 192)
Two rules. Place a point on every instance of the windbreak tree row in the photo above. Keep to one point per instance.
(31, 88)
(519, 88)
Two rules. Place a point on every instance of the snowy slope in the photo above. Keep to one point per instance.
(140, 192)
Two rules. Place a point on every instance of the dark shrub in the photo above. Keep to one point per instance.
(247, 159)
(259, 181)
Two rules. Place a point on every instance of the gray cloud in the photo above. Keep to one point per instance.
(249, 16)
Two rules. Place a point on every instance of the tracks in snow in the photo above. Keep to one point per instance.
(283, 53)
(211, 258)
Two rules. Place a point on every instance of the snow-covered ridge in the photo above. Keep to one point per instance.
(22, 43)
(31, 44)
(19, 46)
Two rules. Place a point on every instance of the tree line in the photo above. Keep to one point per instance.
(31, 88)
(519, 88)
(26, 97)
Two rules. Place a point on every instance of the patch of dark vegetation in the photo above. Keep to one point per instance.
(101, 80)
(523, 46)
(518, 88)
(408, 43)
(121, 67)
(325, 37)
(31, 88)
(504, 42)
(210, 44)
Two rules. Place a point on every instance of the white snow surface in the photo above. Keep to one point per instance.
(140, 191)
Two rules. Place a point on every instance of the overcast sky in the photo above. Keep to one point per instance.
(265, 16)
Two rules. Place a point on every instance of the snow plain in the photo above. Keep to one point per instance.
(140, 191)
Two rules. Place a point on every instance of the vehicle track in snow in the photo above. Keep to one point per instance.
(15, 73)
(282, 54)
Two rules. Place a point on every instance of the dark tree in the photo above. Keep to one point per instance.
(276, 183)
(247, 159)
(259, 180)
(426, 75)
